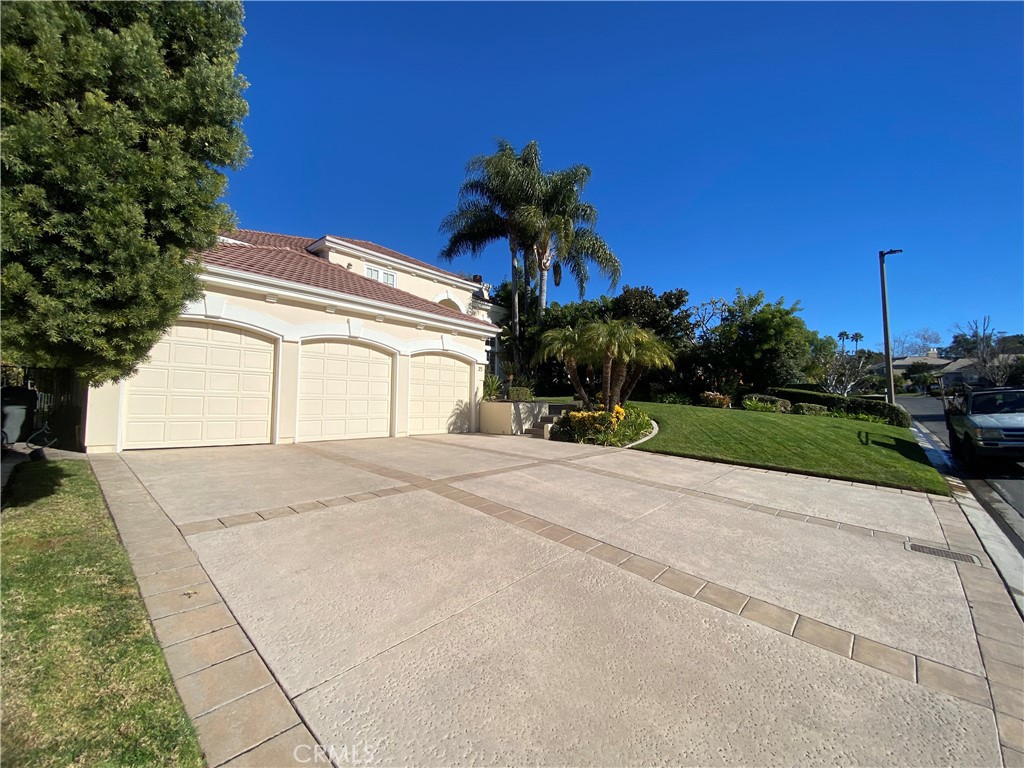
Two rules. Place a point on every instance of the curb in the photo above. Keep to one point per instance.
(998, 546)
(648, 437)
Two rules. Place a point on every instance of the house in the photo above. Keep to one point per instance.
(302, 339)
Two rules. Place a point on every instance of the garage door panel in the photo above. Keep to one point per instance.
(255, 406)
(336, 388)
(160, 353)
(180, 380)
(186, 406)
(223, 382)
(151, 378)
(211, 384)
(255, 384)
(345, 391)
(189, 354)
(146, 432)
(314, 365)
(220, 406)
(440, 396)
(147, 405)
(179, 432)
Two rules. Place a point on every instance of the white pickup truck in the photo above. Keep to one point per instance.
(986, 424)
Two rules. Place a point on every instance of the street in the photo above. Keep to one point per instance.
(1002, 481)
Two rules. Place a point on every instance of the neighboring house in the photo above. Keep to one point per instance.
(965, 370)
(301, 339)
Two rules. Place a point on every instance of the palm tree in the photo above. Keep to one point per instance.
(563, 228)
(856, 338)
(650, 354)
(498, 190)
(567, 345)
(843, 336)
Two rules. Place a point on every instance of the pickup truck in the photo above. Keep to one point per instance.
(986, 424)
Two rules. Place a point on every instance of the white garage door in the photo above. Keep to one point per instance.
(344, 391)
(205, 384)
(440, 397)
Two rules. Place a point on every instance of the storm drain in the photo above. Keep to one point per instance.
(960, 557)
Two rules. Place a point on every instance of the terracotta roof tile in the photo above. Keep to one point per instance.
(282, 257)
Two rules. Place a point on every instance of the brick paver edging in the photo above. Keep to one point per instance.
(240, 711)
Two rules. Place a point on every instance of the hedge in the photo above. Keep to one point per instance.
(810, 409)
(893, 414)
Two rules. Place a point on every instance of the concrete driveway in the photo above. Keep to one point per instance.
(479, 600)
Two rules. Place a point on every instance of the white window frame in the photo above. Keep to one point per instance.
(382, 275)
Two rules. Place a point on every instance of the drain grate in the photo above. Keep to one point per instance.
(960, 557)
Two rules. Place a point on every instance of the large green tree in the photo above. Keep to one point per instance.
(118, 120)
(748, 344)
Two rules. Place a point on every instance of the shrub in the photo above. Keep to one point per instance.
(715, 400)
(854, 406)
(518, 394)
(857, 417)
(766, 403)
(672, 398)
(620, 427)
(810, 409)
(492, 387)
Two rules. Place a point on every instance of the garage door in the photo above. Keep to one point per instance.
(344, 391)
(439, 395)
(205, 384)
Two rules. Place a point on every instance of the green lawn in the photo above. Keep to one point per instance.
(812, 445)
(84, 680)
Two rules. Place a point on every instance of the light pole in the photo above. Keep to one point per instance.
(890, 395)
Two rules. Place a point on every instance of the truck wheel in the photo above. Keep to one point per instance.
(956, 448)
(971, 458)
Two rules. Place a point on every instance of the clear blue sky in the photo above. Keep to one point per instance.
(770, 146)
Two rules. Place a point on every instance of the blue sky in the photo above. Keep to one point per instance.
(774, 146)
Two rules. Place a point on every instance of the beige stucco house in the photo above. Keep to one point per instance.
(304, 339)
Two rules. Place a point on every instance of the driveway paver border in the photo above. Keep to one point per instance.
(235, 703)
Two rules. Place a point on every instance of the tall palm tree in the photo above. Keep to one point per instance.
(567, 344)
(498, 190)
(564, 235)
(843, 336)
(856, 338)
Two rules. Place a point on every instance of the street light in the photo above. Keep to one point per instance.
(891, 392)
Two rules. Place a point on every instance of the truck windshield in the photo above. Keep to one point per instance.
(998, 402)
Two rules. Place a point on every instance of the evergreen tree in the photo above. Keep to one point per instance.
(117, 120)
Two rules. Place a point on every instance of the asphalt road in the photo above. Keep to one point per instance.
(1006, 479)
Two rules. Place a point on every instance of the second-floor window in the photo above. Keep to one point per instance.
(381, 276)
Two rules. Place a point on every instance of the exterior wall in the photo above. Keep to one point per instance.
(291, 322)
(406, 279)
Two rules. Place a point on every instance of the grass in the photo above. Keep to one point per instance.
(84, 680)
(810, 445)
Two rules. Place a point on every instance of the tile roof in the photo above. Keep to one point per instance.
(284, 257)
(302, 243)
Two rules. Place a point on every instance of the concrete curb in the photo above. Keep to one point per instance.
(1007, 560)
(648, 437)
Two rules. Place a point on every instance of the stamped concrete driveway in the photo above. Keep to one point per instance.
(478, 600)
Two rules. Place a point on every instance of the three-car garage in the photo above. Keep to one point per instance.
(216, 384)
